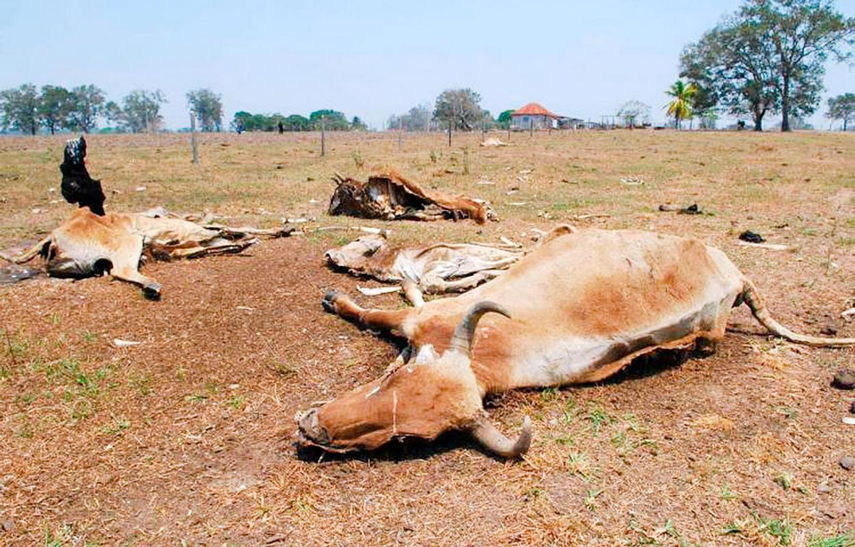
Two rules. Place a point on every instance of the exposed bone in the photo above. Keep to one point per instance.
(586, 217)
(494, 441)
(510, 243)
(770, 246)
(124, 343)
(375, 291)
(848, 313)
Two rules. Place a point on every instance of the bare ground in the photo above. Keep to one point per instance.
(186, 436)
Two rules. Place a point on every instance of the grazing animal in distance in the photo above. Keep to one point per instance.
(77, 186)
(435, 269)
(576, 309)
(389, 195)
(89, 245)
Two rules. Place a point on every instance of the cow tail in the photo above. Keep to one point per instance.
(752, 297)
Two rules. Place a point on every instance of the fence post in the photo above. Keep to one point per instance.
(193, 136)
(323, 136)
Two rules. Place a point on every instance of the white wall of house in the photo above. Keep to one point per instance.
(523, 122)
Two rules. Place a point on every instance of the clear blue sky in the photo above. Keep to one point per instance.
(366, 58)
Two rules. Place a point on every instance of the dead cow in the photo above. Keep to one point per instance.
(388, 195)
(90, 245)
(437, 269)
(577, 309)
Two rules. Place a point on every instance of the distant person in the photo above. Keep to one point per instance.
(281, 128)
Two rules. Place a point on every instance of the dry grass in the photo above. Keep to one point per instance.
(186, 436)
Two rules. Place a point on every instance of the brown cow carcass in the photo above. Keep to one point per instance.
(88, 245)
(435, 269)
(389, 195)
(577, 309)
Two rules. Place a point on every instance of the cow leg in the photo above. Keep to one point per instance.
(343, 306)
(125, 261)
(30, 253)
(218, 247)
(237, 233)
(433, 284)
(413, 293)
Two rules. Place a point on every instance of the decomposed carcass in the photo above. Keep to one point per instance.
(389, 195)
(433, 269)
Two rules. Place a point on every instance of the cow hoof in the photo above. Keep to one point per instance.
(329, 301)
(152, 291)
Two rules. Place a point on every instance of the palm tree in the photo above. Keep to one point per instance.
(681, 107)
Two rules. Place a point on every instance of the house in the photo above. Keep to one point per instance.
(534, 116)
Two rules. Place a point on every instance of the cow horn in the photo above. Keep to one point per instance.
(461, 342)
(493, 440)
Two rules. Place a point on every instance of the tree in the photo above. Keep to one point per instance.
(842, 107)
(633, 113)
(733, 64)
(681, 107)
(140, 111)
(358, 125)
(242, 121)
(87, 103)
(55, 104)
(21, 108)
(333, 120)
(417, 119)
(460, 107)
(208, 108)
(804, 33)
(504, 119)
(296, 122)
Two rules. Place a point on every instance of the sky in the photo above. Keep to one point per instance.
(368, 58)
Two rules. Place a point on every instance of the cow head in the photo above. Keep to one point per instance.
(356, 255)
(421, 398)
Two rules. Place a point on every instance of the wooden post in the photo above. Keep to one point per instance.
(193, 136)
(449, 133)
(400, 131)
(323, 136)
(531, 127)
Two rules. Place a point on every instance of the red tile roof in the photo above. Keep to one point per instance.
(534, 109)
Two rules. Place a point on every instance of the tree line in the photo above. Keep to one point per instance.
(54, 108)
(766, 58)
(332, 120)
